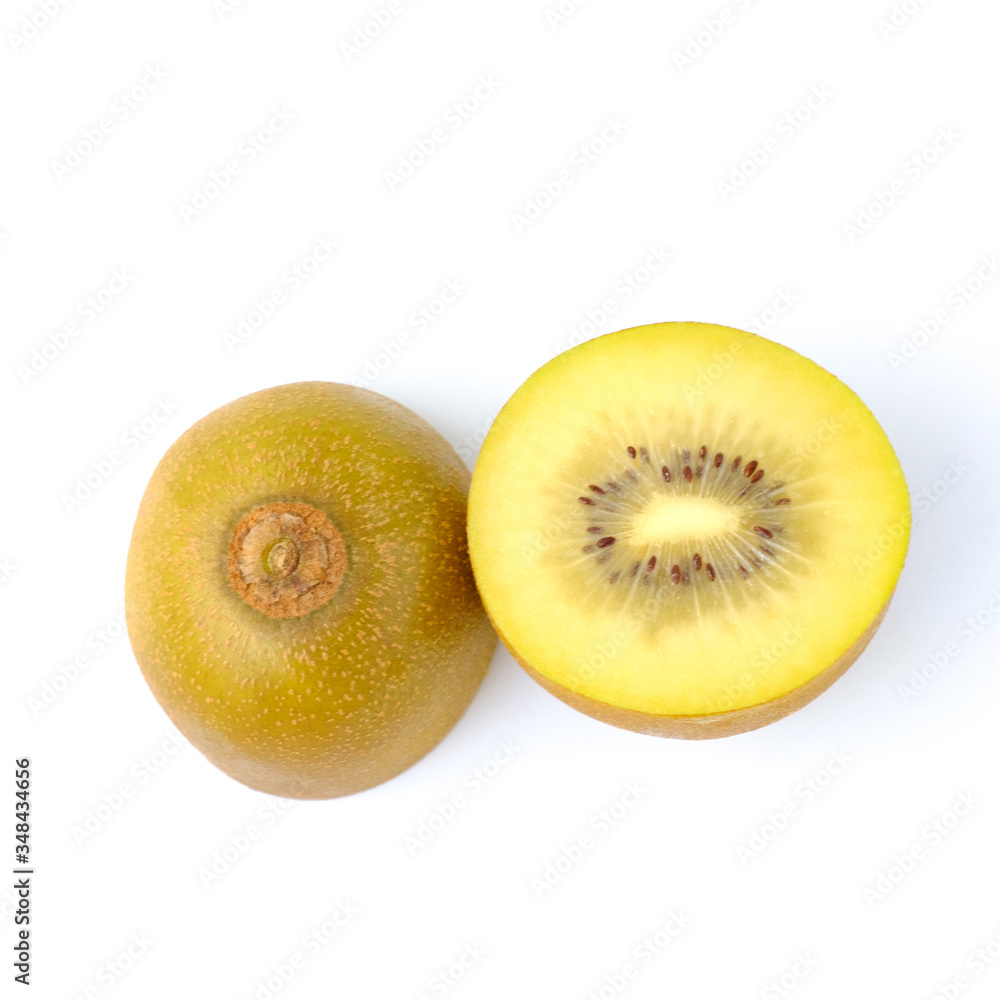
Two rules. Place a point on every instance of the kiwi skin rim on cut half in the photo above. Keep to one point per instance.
(544, 419)
(707, 727)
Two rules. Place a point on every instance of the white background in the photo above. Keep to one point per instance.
(857, 301)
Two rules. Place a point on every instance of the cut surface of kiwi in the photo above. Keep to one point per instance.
(298, 590)
(686, 529)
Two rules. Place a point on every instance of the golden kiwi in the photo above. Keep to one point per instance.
(685, 529)
(298, 590)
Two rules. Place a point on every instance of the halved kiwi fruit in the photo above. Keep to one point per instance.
(685, 529)
(298, 591)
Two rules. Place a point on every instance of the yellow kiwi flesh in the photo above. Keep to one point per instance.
(298, 590)
(686, 529)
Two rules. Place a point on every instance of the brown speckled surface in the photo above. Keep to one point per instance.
(356, 691)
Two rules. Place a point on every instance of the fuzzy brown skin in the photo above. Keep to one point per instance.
(705, 727)
(357, 690)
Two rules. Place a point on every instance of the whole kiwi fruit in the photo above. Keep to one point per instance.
(298, 589)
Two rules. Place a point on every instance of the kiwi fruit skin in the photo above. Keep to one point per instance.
(487, 550)
(357, 689)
